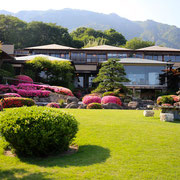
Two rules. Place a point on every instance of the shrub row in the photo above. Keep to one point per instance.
(16, 102)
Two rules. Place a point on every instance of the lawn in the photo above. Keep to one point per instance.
(113, 144)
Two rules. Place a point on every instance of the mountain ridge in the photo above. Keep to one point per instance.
(162, 34)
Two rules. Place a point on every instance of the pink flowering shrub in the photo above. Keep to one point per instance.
(12, 95)
(33, 93)
(53, 104)
(111, 99)
(17, 102)
(24, 79)
(91, 99)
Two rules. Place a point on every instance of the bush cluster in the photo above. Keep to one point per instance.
(94, 106)
(91, 99)
(111, 99)
(165, 100)
(37, 131)
(17, 102)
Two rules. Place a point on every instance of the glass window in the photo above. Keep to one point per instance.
(144, 75)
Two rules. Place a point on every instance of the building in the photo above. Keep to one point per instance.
(144, 67)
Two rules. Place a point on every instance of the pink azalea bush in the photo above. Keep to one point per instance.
(32, 90)
(12, 95)
(111, 99)
(91, 99)
(24, 79)
(33, 93)
(53, 104)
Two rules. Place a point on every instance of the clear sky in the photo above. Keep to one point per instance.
(165, 11)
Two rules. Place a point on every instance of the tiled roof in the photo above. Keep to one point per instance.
(157, 48)
(105, 47)
(51, 46)
(142, 61)
(31, 57)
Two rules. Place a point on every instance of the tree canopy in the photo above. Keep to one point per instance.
(89, 35)
(55, 72)
(137, 43)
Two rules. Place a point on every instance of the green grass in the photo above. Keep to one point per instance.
(113, 144)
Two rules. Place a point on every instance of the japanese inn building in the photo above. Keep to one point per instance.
(143, 67)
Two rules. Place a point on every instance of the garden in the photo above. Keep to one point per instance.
(51, 132)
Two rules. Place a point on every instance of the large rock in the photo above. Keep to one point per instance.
(111, 106)
(72, 99)
(72, 106)
(133, 104)
(82, 106)
(148, 113)
(167, 117)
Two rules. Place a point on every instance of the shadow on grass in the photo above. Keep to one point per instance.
(17, 173)
(86, 155)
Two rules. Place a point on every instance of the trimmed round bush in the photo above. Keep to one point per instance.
(12, 95)
(169, 99)
(94, 106)
(111, 99)
(91, 99)
(37, 131)
(53, 104)
(11, 102)
(24, 79)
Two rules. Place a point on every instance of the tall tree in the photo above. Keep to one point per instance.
(137, 43)
(110, 76)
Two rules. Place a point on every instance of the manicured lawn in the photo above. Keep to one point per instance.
(113, 144)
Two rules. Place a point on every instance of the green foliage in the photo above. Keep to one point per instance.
(137, 43)
(94, 106)
(110, 76)
(92, 37)
(8, 67)
(22, 34)
(110, 93)
(167, 100)
(37, 131)
(56, 72)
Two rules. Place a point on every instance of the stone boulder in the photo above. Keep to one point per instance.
(72, 106)
(82, 106)
(133, 104)
(148, 113)
(167, 117)
(72, 99)
(111, 106)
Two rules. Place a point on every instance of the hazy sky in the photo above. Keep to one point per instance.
(165, 11)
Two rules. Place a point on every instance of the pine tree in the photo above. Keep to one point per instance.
(110, 76)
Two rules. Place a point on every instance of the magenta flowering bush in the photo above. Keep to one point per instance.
(12, 95)
(91, 99)
(111, 99)
(24, 79)
(33, 93)
(53, 104)
(32, 90)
